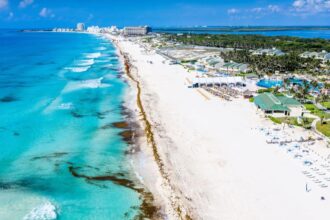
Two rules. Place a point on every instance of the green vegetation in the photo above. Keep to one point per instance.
(326, 104)
(269, 64)
(324, 128)
(275, 120)
(189, 61)
(251, 99)
(242, 44)
(265, 90)
(314, 110)
(306, 122)
(248, 42)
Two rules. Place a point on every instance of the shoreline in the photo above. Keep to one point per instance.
(144, 124)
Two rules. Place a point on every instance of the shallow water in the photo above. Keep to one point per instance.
(57, 91)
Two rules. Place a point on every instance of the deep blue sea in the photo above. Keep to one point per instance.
(59, 92)
(308, 33)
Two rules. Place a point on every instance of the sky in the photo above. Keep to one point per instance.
(161, 13)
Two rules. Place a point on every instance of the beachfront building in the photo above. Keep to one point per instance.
(278, 105)
(268, 52)
(63, 30)
(232, 67)
(94, 29)
(136, 31)
(210, 62)
(80, 27)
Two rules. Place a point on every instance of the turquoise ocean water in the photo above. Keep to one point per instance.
(59, 92)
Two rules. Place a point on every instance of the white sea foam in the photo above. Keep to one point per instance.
(101, 48)
(85, 84)
(92, 83)
(93, 55)
(88, 62)
(109, 65)
(65, 106)
(78, 69)
(45, 211)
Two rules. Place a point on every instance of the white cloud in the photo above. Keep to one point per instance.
(298, 3)
(232, 11)
(274, 8)
(45, 12)
(3, 4)
(269, 8)
(25, 3)
(257, 10)
(311, 6)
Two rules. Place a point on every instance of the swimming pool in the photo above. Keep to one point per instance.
(268, 83)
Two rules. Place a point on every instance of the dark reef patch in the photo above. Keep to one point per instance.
(121, 124)
(127, 136)
(8, 99)
(50, 156)
(76, 114)
(99, 115)
(147, 209)
(15, 133)
(33, 183)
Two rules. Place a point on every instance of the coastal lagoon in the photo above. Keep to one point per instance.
(303, 33)
(61, 157)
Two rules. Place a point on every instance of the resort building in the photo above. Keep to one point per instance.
(232, 67)
(268, 52)
(323, 55)
(309, 55)
(278, 105)
(326, 57)
(136, 31)
(94, 29)
(63, 30)
(80, 27)
(212, 61)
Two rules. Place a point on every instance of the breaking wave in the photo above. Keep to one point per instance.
(93, 55)
(46, 211)
(78, 69)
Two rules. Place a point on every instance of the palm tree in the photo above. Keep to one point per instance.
(314, 84)
(276, 90)
(292, 91)
(323, 98)
(286, 82)
(305, 89)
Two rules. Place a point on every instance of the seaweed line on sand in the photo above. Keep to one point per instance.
(150, 137)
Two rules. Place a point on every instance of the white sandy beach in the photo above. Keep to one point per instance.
(216, 156)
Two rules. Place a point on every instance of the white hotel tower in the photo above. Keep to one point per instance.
(80, 27)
